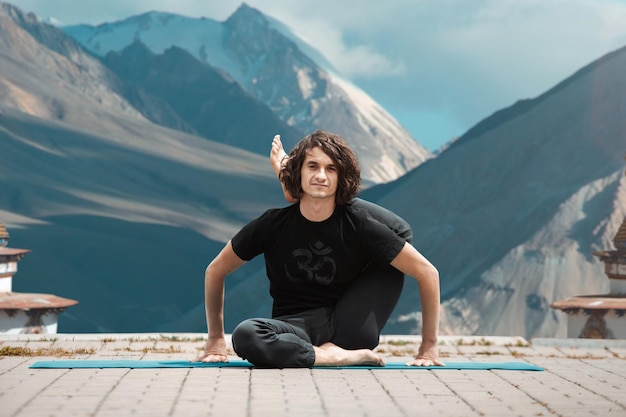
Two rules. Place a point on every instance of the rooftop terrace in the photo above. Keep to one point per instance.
(581, 378)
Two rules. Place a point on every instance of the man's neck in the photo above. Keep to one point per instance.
(317, 209)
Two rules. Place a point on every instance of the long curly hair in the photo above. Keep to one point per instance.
(337, 149)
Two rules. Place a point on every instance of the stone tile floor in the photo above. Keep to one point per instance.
(581, 378)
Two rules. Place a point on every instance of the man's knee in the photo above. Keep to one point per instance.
(265, 343)
(255, 340)
(244, 337)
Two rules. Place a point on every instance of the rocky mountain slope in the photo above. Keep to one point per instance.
(210, 103)
(120, 214)
(512, 211)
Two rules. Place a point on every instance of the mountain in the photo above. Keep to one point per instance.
(268, 61)
(124, 201)
(25, 50)
(512, 211)
(210, 102)
(121, 214)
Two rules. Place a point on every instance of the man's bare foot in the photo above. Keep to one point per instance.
(277, 154)
(278, 159)
(330, 354)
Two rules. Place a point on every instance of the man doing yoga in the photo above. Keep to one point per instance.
(336, 266)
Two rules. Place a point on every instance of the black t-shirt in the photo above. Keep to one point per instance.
(310, 264)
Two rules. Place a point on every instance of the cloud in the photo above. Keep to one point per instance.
(71, 12)
(430, 62)
(465, 60)
(456, 60)
(353, 60)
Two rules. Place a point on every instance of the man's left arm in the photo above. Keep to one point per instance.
(410, 262)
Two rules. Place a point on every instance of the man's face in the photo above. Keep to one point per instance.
(319, 175)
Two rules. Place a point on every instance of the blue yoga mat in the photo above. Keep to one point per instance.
(136, 364)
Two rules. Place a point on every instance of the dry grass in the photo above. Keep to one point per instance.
(481, 342)
(57, 352)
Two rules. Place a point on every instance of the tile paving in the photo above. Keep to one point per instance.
(581, 378)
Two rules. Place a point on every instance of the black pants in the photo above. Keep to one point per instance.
(354, 323)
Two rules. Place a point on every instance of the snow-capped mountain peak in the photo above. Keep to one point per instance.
(270, 62)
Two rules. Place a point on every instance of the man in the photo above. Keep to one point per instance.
(278, 159)
(335, 271)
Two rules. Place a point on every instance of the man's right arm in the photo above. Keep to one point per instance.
(224, 263)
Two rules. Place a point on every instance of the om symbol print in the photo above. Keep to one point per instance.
(314, 264)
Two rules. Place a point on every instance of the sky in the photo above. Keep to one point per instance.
(438, 66)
